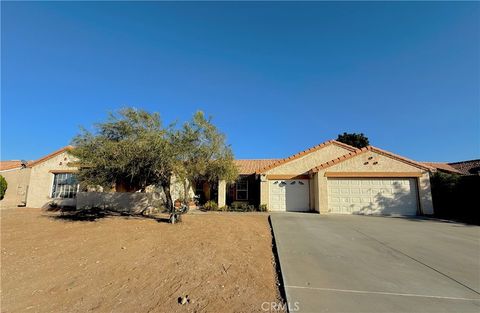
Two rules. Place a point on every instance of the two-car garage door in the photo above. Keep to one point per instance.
(373, 196)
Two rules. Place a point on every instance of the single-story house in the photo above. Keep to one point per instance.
(331, 177)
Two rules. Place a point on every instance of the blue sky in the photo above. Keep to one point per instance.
(277, 77)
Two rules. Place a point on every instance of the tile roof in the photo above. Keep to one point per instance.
(305, 152)
(251, 166)
(442, 167)
(9, 165)
(467, 167)
(49, 156)
(363, 150)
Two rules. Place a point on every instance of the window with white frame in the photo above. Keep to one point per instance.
(65, 185)
(242, 189)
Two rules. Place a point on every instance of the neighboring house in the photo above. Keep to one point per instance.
(470, 167)
(328, 178)
(443, 167)
(334, 178)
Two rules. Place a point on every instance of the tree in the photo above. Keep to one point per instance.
(128, 152)
(131, 151)
(204, 154)
(354, 139)
(3, 186)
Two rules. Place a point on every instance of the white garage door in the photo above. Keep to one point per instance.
(289, 195)
(395, 196)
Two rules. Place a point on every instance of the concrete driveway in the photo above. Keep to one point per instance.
(340, 263)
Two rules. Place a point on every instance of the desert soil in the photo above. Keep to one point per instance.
(223, 262)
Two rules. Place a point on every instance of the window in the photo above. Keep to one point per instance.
(242, 189)
(65, 185)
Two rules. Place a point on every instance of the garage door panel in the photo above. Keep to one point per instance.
(289, 195)
(392, 196)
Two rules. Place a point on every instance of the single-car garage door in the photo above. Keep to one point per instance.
(396, 196)
(289, 195)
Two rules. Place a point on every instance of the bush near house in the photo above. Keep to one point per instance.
(3, 186)
(210, 206)
(456, 197)
(236, 206)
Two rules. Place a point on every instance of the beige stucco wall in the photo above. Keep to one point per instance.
(385, 164)
(16, 193)
(42, 175)
(307, 162)
(264, 191)
(319, 193)
(131, 202)
(312, 193)
(222, 193)
(41, 180)
(425, 194)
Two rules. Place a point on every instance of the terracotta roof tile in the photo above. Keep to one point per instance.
(11, 164)
(305, 152)
(363, 150)
(442, 167)
(470, 167)
(246, 167)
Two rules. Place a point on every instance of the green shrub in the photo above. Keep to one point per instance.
(210, 206)
(3, 186)
(238, 206)
(455, 197)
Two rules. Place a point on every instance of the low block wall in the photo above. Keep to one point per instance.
(132, 202)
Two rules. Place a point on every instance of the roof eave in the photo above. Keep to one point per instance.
(305, 152)
(49, 156)
(363, 150)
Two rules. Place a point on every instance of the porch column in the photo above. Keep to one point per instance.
(264, 193)
(316, 191)
(222, 193)
(322, 192)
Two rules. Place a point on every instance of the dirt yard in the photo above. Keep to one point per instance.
(223, 262)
